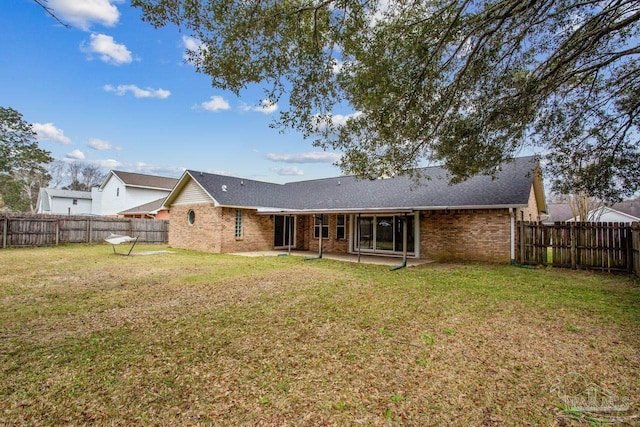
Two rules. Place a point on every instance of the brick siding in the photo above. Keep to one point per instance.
(332, 244)
(214, 229)
(466, 235)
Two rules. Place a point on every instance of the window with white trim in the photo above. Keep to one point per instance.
(340, 226)
(321, 220)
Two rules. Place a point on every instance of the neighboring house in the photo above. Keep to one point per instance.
(472, 220)
(153, 210)
(122, 191)
(66, 202)
(624, 212)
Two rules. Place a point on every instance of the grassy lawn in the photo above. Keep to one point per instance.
(186, 338)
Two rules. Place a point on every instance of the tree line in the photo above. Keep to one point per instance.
(25, 168)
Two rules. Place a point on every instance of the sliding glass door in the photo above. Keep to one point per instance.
(384, 233)
(284, 229)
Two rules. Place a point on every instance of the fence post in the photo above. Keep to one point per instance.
(5, 232)
(57, 232)
(573, 245)
(90, 226)
(522, 260)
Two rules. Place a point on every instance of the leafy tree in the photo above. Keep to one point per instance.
(22, 162)
(466, 83)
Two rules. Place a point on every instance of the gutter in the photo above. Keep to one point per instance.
(381, 210)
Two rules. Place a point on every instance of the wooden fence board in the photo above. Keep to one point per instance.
(49, 230)
(601, 246)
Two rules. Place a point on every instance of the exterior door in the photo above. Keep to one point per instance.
(384, 234)
(284, 228)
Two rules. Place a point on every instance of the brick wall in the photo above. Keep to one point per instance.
(331, 244)
(203, 235)
(472, 235)
(214, 229)
(257, 231)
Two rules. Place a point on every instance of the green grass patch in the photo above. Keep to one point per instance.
(87, 337)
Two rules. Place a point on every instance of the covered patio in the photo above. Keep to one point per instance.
(364, 259)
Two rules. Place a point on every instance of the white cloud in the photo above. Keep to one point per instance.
(216, 103)
(108, 163)
(148, 92)
(341, 120)
(76, 154)
(266, 107)
(194, 45)
(310, 157)
(48, 131)
(336, 65)
(288, 171)
(336, 120)
(110, 52)
(100, 145)
(82, 13)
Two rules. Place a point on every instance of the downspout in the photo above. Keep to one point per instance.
(512, 216)
(358, 237)
(404, 245)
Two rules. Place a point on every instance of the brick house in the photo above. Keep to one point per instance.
(472, 220)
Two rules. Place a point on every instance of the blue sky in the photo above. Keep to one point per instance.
(113, 90)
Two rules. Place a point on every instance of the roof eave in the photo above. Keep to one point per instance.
(270, 211)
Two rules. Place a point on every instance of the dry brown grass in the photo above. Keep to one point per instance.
(194, 339)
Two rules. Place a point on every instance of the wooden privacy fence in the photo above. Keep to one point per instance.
(48, 230)
(604, 246)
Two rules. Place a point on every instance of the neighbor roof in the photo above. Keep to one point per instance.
(69, 194)
(510, 187)
(146, 208)
(561, 212)
(142, 180)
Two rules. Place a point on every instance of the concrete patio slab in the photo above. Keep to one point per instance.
(364, 259)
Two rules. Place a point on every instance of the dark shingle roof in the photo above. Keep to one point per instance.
(561, 212)
(146, 208)
(142, 180)
(630, 207)
(511, 186)
(69, 194)
(558, 212)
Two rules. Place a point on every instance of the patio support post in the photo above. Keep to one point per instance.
(404, 245)
(319, 239)
(404, 239)
(358, 237)
(289, 226)
(320, 243)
